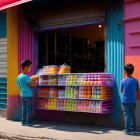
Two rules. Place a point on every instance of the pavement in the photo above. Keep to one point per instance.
(11, 130)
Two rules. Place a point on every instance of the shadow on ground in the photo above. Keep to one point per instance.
(73, 127)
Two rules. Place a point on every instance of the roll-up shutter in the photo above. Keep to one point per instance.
(3, 57)
(3, 73)
(71, 14)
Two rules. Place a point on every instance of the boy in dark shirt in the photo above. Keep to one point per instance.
(129, 87)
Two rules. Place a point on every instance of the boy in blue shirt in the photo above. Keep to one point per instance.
(25, 83)
(129, 87)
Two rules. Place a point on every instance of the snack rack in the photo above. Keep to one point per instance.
(76, 92)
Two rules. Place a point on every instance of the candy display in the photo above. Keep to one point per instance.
(79, 92)
(48, 92)
(48, 80)
(72, 105)
(86, 79)
(50, 70)
(64, 69)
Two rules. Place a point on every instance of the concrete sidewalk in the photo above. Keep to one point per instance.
(11, 130)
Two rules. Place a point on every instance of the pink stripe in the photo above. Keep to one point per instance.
(14, 4)
(26, 44)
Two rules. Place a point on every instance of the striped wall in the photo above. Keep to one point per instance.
(20, 45)
(115, 51)
(132, 42)
(25, 41)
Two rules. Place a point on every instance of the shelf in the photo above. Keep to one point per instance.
(77, 85)
(76, 98)
(48, 74)
(80, 73)
(109, 111)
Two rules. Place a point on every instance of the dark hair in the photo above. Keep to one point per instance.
(25, 63)
(129, 68)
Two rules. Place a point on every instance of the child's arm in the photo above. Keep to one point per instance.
(32, 84)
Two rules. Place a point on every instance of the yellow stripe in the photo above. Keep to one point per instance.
(12, 51)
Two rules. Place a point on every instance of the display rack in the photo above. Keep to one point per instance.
(76, 92)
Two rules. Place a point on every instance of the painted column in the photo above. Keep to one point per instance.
(13, 98)
(115, 52)
(132, 41)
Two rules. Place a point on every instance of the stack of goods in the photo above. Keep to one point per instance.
(61, 93)
(47, 92)
(35, 78)
(43, 92)
(102, 92)
(51, 103)
(89, 79)
(66, 104)
(47, 103)
(64, 69)
(50, 70)
(62, 80)
(88, 106)
(106, 92)
(41, 103)
(85, 92)
(70, 105)
(48, 80)
(96, 92)
(71, 92)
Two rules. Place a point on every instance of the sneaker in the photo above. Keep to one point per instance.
(127, 132)
(133, 132)
(29, 124)
(23, 124)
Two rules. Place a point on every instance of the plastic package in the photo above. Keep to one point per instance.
(64, 69)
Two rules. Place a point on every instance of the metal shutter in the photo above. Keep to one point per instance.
(3, 57)
(3, 73)
(72, 14)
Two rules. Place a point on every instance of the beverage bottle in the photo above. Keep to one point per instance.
(76, 105)
(65, 104)
(73, 105)
(100, 107)
(67, 108)
(48, 103)
(88, 106)
(79, 105)
(62, 104)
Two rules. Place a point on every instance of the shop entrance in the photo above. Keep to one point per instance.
(83, 48)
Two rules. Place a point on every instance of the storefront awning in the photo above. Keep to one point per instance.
(4, 4)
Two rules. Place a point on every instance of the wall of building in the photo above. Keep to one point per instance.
(115, 53)
(132, 41)
(20, 45)
(3, 62)
(13, 99)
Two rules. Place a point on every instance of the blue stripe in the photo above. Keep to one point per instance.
(115, 50)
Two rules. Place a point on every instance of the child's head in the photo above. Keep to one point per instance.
(129, 69)
(26, 65)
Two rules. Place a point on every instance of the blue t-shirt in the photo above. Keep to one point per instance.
(22, 81)
(129, 86)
